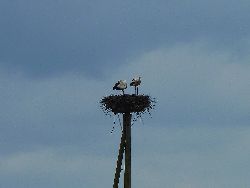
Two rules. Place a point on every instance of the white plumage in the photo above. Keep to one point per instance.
(120, 85)
(136, 82)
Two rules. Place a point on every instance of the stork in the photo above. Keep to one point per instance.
(136, 82)
(120, 85)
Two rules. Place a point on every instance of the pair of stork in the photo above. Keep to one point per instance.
(121, 84)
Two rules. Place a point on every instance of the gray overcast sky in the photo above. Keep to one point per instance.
(58, 58)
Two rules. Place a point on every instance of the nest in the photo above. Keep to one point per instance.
(127, 103)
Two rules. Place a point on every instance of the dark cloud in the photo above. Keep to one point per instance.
(192, 83)
(48, 37)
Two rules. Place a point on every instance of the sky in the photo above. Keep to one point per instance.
(59, 58)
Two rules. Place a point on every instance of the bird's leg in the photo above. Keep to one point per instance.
(137, 91)
(123, 92)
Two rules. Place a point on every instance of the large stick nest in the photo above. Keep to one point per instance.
(127, 103)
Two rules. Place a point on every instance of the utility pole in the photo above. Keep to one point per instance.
(127, 174)
(126, 104)
(120, 157)
(125, 145)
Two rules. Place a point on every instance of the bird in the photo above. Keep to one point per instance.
(120, 85)
(136, 82)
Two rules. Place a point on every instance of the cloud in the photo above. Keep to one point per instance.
(52, 129)
(178, 157)
(52, 167)
(44, 99)
(58, 58)
(52, 111)
(194, 156)
(47, 38)
(195, 82)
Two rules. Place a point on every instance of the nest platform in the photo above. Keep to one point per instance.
(127, 103)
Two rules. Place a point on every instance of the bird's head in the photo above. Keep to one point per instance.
(137, 78)
(123, 81)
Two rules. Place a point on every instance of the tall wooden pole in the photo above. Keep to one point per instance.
(124, 145)
(120, 157)
(127, 174)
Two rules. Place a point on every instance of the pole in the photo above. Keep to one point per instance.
(127, 174)
(120, 157)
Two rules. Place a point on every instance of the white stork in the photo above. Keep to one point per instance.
(136, 82)
(120, 85)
